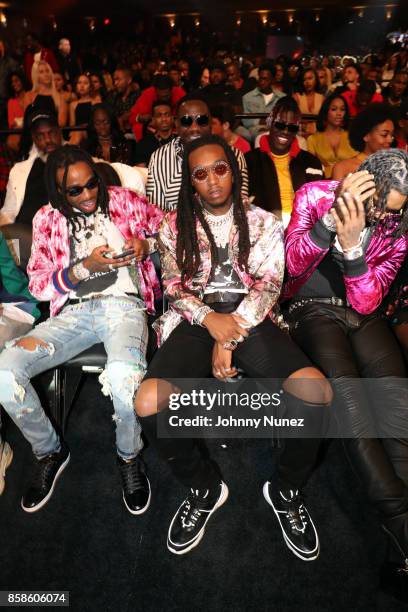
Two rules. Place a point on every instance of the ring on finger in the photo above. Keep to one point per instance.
(241, 338)
(111, 267)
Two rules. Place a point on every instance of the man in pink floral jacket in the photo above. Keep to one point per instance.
(90, 259)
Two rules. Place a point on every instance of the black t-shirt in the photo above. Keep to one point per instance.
(145, 148)
(35, 195)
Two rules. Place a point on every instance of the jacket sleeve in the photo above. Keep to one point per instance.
(41, 266)
(268, 277)
(13, 279)
(367, 285)
(154, 186)
(185, 302)
(307, 239)
(10, 208)
(244, 172)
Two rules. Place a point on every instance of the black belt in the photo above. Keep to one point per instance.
(332, 301)
(223, 297)
(98, 296)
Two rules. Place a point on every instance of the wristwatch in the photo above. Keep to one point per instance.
(328, 221)
(353, 253)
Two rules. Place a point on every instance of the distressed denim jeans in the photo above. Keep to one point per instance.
(121, 324)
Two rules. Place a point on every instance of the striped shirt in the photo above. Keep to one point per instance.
(164, 174)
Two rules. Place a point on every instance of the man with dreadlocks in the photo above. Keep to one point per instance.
(344, 245)
(222, 266)
(86, 243)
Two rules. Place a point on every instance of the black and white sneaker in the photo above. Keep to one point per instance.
(297, 527)
(47, 472)
(136, 485)
(188, 525)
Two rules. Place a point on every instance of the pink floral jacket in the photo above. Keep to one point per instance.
(307, 242)
(50, 252)
(265, 264)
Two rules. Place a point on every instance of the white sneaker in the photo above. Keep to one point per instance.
(6, 457)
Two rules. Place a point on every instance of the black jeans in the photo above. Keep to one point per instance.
(347, 346)
(268, 352)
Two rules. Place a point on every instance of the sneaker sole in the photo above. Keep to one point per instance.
(143, 510)
(222, 499)
(51, 491)
(6, 460)
(313, 555)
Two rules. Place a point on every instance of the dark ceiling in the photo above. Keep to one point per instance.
(96, 7)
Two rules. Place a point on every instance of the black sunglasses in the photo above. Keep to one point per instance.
(188, 120)
(293, 128)
(76, 190)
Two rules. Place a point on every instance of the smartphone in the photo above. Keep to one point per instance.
(124, 254)
(109, 255)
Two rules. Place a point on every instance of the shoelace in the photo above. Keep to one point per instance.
(189, 514)
(296, 515)
(43, 472)
(131, 476)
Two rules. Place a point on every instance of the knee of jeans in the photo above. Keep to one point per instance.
(309, 385)
(31, 344)
(10, 388)
(121, 380)
(152, 397)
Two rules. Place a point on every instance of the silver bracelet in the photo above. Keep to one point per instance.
(353, 253)
(80, 272)
(200, 315)
(328, 221)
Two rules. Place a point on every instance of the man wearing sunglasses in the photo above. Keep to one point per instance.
(193, 120)
(90, 259)
(26, 191)
(280, 167)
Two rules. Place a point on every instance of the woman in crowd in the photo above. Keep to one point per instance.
(60, 86)
(98, 87)
(281, 80)
(222, 269)
(331, 142)
(80, 109)
(372, 130)
(309, 99)
(18, 87)
(105, 141)
(44, 95)
(344, 246)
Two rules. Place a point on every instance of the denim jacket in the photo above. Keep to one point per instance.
(264, 278)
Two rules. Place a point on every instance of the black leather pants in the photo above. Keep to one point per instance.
(348, 347)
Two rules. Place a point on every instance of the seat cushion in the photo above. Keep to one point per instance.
(94, 356)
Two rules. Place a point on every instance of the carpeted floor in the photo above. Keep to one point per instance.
(86, 542)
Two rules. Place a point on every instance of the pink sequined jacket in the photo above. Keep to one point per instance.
(132, 215)
(366, 279)
(265, 265)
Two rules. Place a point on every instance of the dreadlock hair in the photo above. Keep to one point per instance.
(390, 170)
(189, 210)
(64, 157)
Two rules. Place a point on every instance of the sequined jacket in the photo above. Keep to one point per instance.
(307, 241)
(264, 278)
(50, 252)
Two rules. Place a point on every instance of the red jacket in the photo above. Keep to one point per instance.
(143, 106)
(351, 99)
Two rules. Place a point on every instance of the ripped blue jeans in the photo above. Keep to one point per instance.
(121, 324)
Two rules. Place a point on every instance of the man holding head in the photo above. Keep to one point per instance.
(124, 97)
(193, 120)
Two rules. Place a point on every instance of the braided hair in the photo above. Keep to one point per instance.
(64, 157)
(189, 209)
(390, 170)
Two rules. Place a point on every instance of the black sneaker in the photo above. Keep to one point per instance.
(48, 470)
(188, 525)
(297, 527)
(136, 485)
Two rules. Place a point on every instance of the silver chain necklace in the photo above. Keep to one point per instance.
(220, 226)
